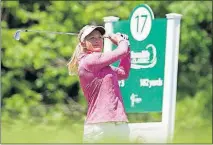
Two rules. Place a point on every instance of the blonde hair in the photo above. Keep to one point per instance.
(73, 63)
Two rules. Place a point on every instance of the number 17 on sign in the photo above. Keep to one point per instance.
(138, 20)
(141, 23)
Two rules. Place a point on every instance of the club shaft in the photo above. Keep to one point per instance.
(49, 32)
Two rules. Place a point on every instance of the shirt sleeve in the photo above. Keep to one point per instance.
(96, 61)
(123, 69)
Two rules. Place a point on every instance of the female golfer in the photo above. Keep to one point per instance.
(106, 119)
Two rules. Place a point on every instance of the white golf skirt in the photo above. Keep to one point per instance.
(109, 132)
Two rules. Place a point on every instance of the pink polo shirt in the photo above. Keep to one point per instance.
(99, 82)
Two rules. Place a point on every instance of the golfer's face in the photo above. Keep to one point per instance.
(94, 41)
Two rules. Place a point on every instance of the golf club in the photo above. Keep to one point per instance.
(17, 35)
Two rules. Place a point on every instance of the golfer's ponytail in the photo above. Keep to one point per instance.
(73, 64)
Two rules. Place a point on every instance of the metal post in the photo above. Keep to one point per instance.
(109, 29)
(171, 68)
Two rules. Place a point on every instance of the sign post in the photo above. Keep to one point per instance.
(151, 85)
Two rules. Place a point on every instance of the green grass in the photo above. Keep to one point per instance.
(194, 135)
(26, 133)
(72, 133)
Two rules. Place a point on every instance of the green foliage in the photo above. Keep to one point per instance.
(196, 108)
(193, 122)
(195, 48)
(36, 87)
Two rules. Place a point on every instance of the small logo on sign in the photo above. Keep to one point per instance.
(135, 99)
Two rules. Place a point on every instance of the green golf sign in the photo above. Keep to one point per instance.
(152, 82)
(143, 90)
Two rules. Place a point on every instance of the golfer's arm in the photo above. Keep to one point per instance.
(123, 69)
(97, 61)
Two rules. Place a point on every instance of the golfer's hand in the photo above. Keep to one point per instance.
(115, 38)
(124, 36)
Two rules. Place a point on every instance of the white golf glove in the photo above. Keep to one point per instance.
(124, 36)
